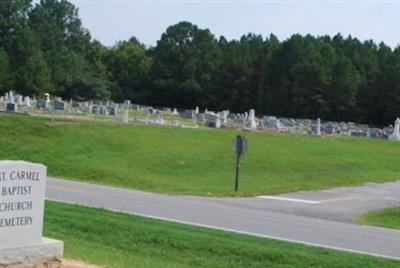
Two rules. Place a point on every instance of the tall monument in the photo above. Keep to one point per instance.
(396, 131)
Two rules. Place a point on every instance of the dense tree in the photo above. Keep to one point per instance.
(76, 69)
(239, 72)
(129, 66)
(342, 93)
(76, 77)
(299, 78)
(13, 18)
(6, 79)
(45, 48)
(32, 76)
(383, 94)
(57, 24)
(184, 62)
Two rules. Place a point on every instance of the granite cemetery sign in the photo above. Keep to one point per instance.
(22, 193)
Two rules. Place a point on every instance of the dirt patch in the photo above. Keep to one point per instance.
(77, 264)
(54, 264)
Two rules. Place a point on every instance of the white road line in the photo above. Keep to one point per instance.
(289, 199)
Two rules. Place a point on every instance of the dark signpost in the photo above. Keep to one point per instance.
(240, 147)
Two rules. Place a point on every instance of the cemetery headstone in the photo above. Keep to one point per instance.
(22, 193)
(11, 97)
(252, 119)
(218, 123)
(376, 133)
(96, 110)
(19, 99)
(213, 120)
(125, 117)
(41, 104)
(27, 101)
(224, 117)
(396, 131)
(175, 112)
(127, 104)
(47, 96)
(159, 120)
(146, 112)
(12, 107)
(58, 105)
(112, 110)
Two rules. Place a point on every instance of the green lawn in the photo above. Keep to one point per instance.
(195, 161)
(389, 218)
(120, 240)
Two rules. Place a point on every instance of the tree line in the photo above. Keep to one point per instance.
(45, 48)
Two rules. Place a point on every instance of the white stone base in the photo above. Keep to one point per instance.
(48, 249)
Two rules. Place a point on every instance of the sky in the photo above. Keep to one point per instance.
(112, 20)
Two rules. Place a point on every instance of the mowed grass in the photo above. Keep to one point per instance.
(195, 161)
(120, 240)
(389, 218)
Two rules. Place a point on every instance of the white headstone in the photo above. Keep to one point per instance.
(252, 119)
(125, 117)
(19, 99)
(22, 193)
(218, 122)
(127, 104)
(396, 131)
(175, 112)
(10, 99)
(278, 124)
(369, 133)
(27, 101)
(224, 117)
(90, 107)
(47, 96)
(159, 119)
(319, 127)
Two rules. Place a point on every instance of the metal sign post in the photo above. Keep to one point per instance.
(240, 147)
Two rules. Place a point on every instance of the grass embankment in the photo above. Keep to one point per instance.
(195, 161)
(120, 240)
(389, 218)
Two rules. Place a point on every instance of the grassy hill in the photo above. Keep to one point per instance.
(195, 161)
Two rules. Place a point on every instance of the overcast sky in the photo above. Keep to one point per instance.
(113, 20)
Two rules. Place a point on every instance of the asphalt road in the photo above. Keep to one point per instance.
(320, 218)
